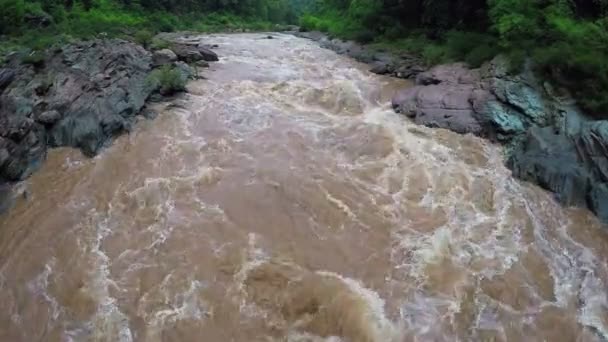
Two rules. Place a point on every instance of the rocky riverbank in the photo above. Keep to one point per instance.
(80, 95)
(549, 140)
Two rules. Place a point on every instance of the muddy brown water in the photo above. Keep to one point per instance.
(282, 199)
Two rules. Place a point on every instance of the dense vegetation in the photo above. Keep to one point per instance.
(567, 39)
(38, 23)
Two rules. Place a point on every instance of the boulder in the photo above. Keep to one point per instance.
(187, 53)
(380, 68)
(207, 54)
(49, 117)
(163, 57)
(192, 53)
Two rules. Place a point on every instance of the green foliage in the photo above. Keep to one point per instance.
(167, 80)
(159, 44)
(11, 15)
(35, 58)
(143, 38)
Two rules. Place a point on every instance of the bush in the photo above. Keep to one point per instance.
(11, 15)
(159, 44)
(167, 80)
(143, 38)
(434, 54)
(35, 58)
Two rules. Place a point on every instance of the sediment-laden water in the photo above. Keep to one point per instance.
(281, 199)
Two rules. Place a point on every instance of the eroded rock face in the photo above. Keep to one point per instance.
(82, 96)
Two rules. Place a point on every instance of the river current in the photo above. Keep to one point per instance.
(281, 199)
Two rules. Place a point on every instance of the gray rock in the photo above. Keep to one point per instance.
(380, 68)
(6, 77)
(550, 160)
(187, 53)
(163, 57)
(88, 93)
(49, 117)
(207, 54)
(186, 72)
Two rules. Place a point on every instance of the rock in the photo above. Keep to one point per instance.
(456, 73)
(49, 117)
(163, 57)
(550, 160)
(379, 68)
(96, 90)
(186, 72)
(592, 148)
(207, 54)
(598, 200)
(269, 37)
(6, 77)
(408, 70)
(193, 53)
(187, 53)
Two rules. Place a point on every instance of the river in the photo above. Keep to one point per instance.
(281, 199)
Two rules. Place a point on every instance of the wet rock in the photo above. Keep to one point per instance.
(187, 53)
(598, 200)
(380, 68)
(6, 77)
(88, 93)
(550, 160)
(186, 72)
(163, 57)
(193, 53)
(207, 54)
(49, 117)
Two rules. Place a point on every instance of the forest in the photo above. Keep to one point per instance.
(566, 40)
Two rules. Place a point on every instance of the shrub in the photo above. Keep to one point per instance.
(159, 44)
(11, 15)
(167, 80)
(35, 58)
(434, 54)
(143, 38)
